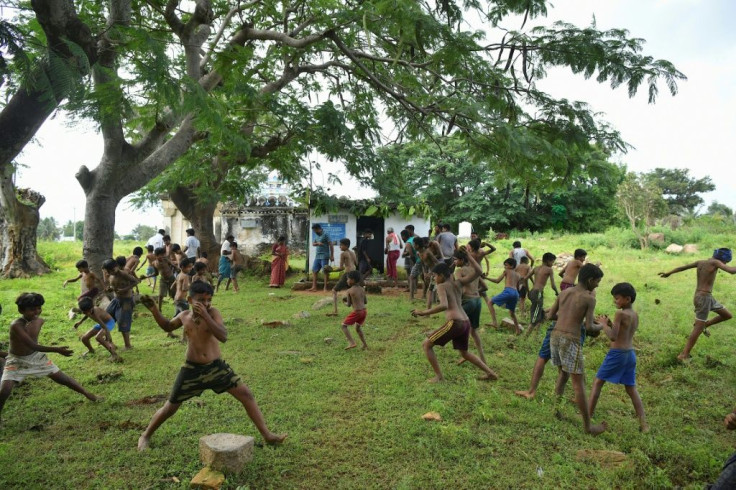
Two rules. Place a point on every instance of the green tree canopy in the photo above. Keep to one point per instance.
(679, 189)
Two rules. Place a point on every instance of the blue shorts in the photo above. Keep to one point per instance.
(110, 325)
(319, 264)
(545, 352)
(121, 309)
(619, 367)
(508, 298)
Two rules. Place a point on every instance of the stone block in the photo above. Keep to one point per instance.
(226, 452)
(673, 248)
(207, 479)
(690, 248)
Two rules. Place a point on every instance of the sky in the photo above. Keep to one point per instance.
(685, 131)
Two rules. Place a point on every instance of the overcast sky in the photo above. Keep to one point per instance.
(685, 131)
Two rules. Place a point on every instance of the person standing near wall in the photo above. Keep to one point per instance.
(392, 250)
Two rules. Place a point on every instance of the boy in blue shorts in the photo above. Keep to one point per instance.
(324, 254)
(509, 297)
(619, 366)
(102, 335)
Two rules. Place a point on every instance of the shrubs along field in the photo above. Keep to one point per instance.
(354, 418)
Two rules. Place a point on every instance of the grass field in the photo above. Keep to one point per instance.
(354, 418)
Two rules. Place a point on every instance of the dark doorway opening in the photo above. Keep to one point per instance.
(374, 248)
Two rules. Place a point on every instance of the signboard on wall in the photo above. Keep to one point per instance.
(336, 231)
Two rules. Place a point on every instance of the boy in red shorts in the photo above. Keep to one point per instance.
(355, 298)
(457, 325)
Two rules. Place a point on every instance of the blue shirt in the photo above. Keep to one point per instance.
(323, 246)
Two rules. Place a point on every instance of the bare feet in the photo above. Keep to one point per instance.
(706, 332)
(525, 394)
(492, 325)
(172, 336)
(365, 347)
(644, 428)
(351, 346)
(489, 377)
(682, 358)
(128, 347)
(88, 354)
(143, 443)
(460, 361)
(596, 429)
(117, 359)
(274, 439)
(331, 314)
(436, 379)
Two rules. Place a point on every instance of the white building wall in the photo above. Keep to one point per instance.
(395, 221)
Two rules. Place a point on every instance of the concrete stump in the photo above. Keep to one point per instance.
(207, 479)
(226, 452)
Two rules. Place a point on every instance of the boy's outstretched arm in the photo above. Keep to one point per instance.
(165, 324)
(726, 268)
(679, 269)
(442, 296)
(76, 325)
(498, 279)
(22, 336)
(71, 280)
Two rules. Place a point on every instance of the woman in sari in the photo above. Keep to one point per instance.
(279, 263)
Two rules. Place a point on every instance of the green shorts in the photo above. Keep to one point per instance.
(194, 378)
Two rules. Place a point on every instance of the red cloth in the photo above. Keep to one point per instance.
(355, 317)
(279, 264)
(391, 259)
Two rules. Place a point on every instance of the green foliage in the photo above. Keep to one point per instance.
(460, 185)
(717, 209)
(69, 229)
(679, 189)
(641, 202)
(48, 229)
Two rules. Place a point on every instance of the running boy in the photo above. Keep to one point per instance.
(510, 294)
(203, 369)
(703, 300)
(541, 273)
(619, 366)
(574, 306)
(27, 357)
(183, 282)
(457, 326)
(101, 330)
(571, 270)
(348, 263)
(470, 297)
(120, 308)
(150, 270)
(355, 298)
(91, 284)
(201, 273)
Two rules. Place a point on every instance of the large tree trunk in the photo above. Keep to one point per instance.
(200, 216)
(18, 224)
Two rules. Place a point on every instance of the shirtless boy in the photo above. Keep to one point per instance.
(238, 265)
(470, 297)
(27, 357)
(120, 308)
(619, 366)
(348, 262)
(201, 273)
(510, 294)
(203, 369)
(524, 270)
(356, 298)
(476, 249)
(164, 269)
(541, 274)
(574, 306)
(183, 282)
(703, 300)
(571, 270)
(132, 262)
(101, 331)
(430, 255)
(150, 270)
(91, 284)
(457, 325)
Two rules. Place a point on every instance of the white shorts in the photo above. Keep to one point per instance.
(17, 368)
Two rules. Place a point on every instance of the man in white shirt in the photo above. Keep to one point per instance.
(226, 244)
(191, 245)
(157, 240)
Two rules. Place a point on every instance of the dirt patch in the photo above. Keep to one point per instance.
(108, 377)
(148, 400)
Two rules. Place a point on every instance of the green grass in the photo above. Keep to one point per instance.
(354, 418)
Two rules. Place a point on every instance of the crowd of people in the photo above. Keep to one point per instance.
(454, 283)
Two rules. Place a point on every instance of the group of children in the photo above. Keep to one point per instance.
(455, 287)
